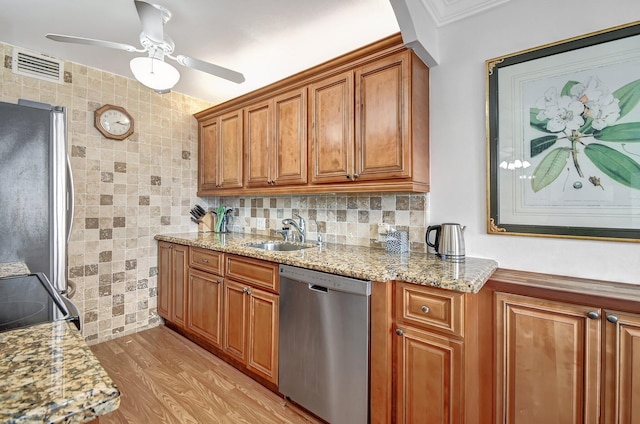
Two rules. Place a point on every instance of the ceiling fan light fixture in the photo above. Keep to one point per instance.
(154, 73)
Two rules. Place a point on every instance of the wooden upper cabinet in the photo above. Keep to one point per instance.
(332, 136)
(220, 152)
(276, 140)
(383, 148)
(370, 124)
(548, 361)
(358, 123)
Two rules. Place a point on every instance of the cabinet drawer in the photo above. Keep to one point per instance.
(431, 308)
(206, 260)
(253, 271)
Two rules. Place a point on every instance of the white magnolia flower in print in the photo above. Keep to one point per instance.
(562, 112)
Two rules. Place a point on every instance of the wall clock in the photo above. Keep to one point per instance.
(114, 122)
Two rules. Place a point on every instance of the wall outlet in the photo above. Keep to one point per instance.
(261, 223)
(383, 229)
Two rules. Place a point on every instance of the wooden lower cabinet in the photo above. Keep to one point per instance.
(622, 368)
(235, 315)
(251, 328)
(429, 380)
(548, 358)
(567, 350)
(442, 366)
(173, 271)
(205, 306)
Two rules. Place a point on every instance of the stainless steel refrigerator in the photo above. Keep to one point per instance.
(36, 188)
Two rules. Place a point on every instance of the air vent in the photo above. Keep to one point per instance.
(38, 66)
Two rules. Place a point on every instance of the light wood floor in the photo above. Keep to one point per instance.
(165, 378)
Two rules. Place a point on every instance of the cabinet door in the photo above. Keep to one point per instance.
(548, 361)
(622, 372)
(332, 139)
(235, 326)
(258, 143)
(207, 165)
(205, 306)
(230, 150)
(180, 273)
(383, 148)
(164, 279)
(289, 153)
(262, 343)
(429, 378)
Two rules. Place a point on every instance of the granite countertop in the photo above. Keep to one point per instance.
(9, 269)
(353, 261)
(49, 374)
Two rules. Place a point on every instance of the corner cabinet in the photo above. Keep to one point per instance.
(566, 350)
(220, 152)
(357, 123)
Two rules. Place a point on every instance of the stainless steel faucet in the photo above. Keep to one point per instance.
(299, 226)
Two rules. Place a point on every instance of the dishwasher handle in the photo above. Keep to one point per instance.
(318, 288)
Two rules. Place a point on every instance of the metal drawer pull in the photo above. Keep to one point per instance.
(612, 318)
(593, 315)
(399, 332)
(425, 309)
(206, 261)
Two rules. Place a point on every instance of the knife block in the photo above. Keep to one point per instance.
(206, 224)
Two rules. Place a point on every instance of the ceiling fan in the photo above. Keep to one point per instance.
(153, 71)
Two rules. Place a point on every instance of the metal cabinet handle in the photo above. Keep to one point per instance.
(612, 318)
(206, 261)
(356, 176)
(249, 292)
(593, 315)
(399, 332)
(425, 309)
(171, 246)
(219, 281)
(244, 290)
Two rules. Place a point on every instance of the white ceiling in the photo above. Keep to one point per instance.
(266, 40)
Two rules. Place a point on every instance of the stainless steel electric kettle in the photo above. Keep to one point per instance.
(449, 240)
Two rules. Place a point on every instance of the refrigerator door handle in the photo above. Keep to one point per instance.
(70, 199)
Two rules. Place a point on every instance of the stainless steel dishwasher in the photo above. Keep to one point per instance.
(324, 343)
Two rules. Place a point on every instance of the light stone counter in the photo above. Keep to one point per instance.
(9, 269)
(354, 261)
(48, 374)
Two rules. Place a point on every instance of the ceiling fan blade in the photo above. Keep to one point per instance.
(210, 68)
(151, 19)
(92, 42)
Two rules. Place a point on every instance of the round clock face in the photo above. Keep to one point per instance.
(115, 122)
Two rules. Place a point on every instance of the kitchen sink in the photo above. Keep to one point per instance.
(281, 246)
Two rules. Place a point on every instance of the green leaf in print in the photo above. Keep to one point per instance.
(628, 95)
(566, 90)
(550, 168)
(629, 132)
(540, 144)
(616, 165)
(535, 122)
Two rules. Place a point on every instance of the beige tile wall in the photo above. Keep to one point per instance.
(126, 191)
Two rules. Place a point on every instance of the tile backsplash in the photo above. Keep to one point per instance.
(340, 218)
